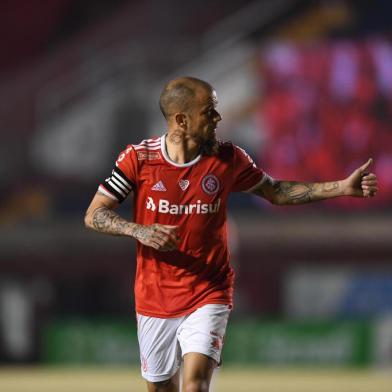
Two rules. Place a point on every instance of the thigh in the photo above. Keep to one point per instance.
(203, 331)
(170, 385)
(197, 372)
(160, 354)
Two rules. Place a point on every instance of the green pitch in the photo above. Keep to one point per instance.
(228, 379)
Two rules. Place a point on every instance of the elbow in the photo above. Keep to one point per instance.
(87, 221)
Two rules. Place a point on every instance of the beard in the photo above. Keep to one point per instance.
(211, 145)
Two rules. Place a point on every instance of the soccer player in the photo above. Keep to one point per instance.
(180, 184)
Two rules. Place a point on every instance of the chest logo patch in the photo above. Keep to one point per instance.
(159, 186)
(210, 184)
(183, 184)
(150, 205)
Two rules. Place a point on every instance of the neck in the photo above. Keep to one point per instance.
(181, 148)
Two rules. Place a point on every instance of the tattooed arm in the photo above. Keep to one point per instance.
(101, 217)
(358, 184)
(291, 192)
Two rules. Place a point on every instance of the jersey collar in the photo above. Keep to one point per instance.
(167, 158)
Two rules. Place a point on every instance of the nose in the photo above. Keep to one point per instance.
(217, 116)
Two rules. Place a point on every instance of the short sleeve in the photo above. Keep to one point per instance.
(123, 177)
(246, 174)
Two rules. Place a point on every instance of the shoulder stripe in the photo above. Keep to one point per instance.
(149, 142)
(147, 148)
(138, 147)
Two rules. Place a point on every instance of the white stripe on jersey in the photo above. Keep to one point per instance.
(122, 180)
(148, 143)
(148, 146)
(122, 186)
(107, 193)
(147, 149)
(117, 189)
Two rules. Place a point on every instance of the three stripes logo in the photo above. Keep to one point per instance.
(159, 186)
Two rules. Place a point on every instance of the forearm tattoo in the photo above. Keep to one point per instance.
(330, 186)
(298, 192)
(108, 221)
(294, 192)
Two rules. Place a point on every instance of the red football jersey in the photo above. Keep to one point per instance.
(192, 196)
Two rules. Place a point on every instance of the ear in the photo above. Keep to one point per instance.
(180, 120)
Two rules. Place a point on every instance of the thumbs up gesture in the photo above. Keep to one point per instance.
(361, 183)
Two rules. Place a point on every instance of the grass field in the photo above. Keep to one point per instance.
(228, 379)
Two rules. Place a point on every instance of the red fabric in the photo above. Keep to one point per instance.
(172, 284)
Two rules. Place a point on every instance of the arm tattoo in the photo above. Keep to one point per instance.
(108, 221)
(295, 193)
(290, 192)
(141, 232)
(330, 186)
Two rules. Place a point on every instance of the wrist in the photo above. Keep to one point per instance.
(345, 189)
(134, 229)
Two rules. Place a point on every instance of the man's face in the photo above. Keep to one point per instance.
(203, 119)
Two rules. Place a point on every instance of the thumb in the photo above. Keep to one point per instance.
(363, 168)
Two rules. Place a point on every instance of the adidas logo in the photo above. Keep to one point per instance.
(159, 187)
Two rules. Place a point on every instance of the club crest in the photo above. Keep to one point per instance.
(210, 184)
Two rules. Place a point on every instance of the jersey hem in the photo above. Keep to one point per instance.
(186, 312)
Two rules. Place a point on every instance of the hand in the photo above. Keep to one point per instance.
(360, 183)
(160, 237)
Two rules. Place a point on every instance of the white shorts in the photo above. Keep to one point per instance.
(163, 342)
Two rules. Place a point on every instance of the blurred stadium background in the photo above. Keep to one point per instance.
(304, 86)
